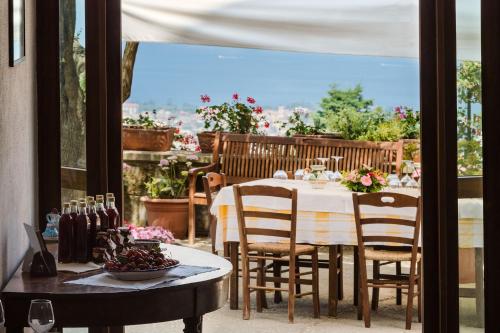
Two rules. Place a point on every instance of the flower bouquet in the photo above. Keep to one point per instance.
(366, 180)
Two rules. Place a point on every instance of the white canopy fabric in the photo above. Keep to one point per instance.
(357, 27)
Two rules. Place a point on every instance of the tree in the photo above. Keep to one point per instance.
(341, 99)
(469, 91)
(128, 62)
(72, 77)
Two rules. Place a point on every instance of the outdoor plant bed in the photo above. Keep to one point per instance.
(148, 139)
(147, 133)
(170, 214)
(236, 116)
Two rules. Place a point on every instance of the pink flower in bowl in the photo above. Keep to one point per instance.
(366, 180)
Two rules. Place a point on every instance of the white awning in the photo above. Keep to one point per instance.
(358, 27)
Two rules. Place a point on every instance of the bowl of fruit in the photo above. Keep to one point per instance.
(138, 264)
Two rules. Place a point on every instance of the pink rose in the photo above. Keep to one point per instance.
(381, 180)
(366, 180)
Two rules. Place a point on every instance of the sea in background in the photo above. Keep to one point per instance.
(176, 74)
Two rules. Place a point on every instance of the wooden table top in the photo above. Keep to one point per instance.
(101, 306)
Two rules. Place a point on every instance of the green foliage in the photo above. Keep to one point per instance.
(350, 123)
(341, 99)
(235, 116)
(298, 124)
(172, 178)
(470, 158)
(409, 121)
(145, 121)
(468, 93)
(386, 131)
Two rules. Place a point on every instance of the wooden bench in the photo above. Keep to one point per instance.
(245, 157)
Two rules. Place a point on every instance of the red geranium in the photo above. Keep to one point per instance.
(251, 100)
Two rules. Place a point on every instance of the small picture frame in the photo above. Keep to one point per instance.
(17, 33)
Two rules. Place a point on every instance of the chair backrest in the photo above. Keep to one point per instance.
(381, 200)
(245, 157)
(271, 192)
(212, 183)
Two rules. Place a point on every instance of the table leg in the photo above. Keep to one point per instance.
(356, 274)
(479, 286)
(340, 265)
(333, 295)
(233, 282)
(193, 325)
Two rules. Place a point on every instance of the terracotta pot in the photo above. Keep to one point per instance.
(206, 141)
(148, 139)
(171, 214)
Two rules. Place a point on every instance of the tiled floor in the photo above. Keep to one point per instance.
(389, 318)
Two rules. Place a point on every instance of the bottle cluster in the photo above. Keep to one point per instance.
(84, 223)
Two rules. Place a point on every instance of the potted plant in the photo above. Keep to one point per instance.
(236, 116)
(146, 133)
(167, 202)
(366, 180)
(299, 125)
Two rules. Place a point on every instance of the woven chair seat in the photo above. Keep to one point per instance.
(280, 248)
(385, 255)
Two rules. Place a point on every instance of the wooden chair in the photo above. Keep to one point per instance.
(288, 251)
(212, 183)
(407, 282)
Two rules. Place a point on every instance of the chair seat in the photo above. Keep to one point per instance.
(280, 248)
(389, 255)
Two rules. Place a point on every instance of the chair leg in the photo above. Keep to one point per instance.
(315, 283)
(356, 274)
(213, 229)
(409, 303)
(277, 273)
(375, 292)
(297, 272)
(246, 290)
(419, 289)
(365, 302)
(260, 283)
(398, 291)
(291, 289)
(191, 222)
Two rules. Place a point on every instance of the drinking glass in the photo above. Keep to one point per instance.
(2, 315)
(408, 168)
(323, 160)
(280, 174)
(337, 176)
(41, 315)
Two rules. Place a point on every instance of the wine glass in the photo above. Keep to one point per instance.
(41, 315)
(280, 174)
(337, 175)
(407, 168)
(2, 315)
(323, 160)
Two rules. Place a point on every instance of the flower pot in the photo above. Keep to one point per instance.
(171, 214)
(148, 139)
(206, 141)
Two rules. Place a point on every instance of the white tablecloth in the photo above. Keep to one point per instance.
(326, 216)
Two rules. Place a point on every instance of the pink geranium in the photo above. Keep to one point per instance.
(250, 100)
(236, 96)
(205, 98)
(366, 180)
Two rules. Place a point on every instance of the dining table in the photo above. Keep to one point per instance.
(95, 300)
(325, 217)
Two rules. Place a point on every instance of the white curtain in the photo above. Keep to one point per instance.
(358, 27)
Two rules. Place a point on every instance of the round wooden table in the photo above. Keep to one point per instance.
(104, 309)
